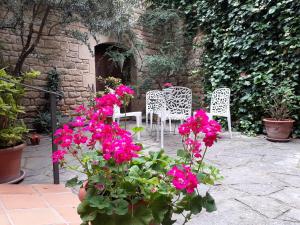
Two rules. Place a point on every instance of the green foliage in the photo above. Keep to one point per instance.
(106, 17)
(139, 193)
(54, 81)
(42, 121)
(12, 131)
(250, 47)
(281, 101)
(168, 65)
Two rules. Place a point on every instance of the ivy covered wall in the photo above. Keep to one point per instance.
(252, 47)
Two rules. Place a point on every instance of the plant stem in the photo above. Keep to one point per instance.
(200, 163)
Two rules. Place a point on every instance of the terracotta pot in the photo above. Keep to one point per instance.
(35, 139)
(82, 191)
(278, 130)
(10, 163)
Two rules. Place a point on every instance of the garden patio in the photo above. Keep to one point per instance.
(149, 112)
(261, 182)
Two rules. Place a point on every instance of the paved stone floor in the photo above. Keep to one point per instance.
(38, 204)
(261, 184)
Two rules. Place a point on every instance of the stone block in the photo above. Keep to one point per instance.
(32, 94)
(74, 94)
(51, 44)
(69, 101)
(82, 66)
(69, 65)
(73, 47)
(71, 54)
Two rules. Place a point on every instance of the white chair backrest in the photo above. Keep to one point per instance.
(220, 102)
(151, 100)
(179, 100)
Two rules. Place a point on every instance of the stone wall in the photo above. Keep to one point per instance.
(77, 67)
(57, 51)
(75, 63)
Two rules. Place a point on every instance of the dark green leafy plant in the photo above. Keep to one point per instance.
(169, 63)
(42, 121)
(12, 130)
(250, 47)
(279, 101)
(128, 186)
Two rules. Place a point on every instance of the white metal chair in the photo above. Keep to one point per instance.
(160, 109)
(179, 103)
(151, 97)
(138, 115)
(220, 105)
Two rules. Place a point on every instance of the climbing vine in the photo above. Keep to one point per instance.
(251, 46)
(168, 63)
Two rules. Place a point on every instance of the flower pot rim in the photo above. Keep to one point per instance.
(14, 148)
(278, 121)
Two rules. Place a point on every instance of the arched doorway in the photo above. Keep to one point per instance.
(112, 60)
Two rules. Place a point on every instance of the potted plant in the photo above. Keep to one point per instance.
(278, 104)
(125, 185)
(12, 130)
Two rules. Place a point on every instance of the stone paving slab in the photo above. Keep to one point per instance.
(38, 204)
(261, 184)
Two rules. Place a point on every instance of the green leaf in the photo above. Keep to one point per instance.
(209, 203)
(182, 153)
(196, 204)
(137, 129)
(159, 208)
(99, 202)
(73, 182)
(120, 206)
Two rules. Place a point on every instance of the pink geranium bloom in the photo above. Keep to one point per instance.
(123, 90)
(183, 178)
(184, 129)
(80, 109)
(64, 136)
(79, 139)
(107, 100)
(78, 121)
(58, 156)
(166, 85)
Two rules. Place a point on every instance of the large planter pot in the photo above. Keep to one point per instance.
(10, 164)
(278, 130)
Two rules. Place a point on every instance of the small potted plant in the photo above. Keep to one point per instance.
(278, 104)
(12, 130)
(125, 185)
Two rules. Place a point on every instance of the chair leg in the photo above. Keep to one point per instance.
(162, 134)
(146, 119)
(157, 127)
(151, 121)
(229, 125)
(170, 125)
(138, 120)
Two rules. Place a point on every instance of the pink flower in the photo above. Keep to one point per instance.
(58, 156)
(184, 129)
(63, 136)
(193, 146)
(123, 90)
(79, 139)
(107, 100)
(121, 150)
(183, 179)
(166, 85)
(80, 109)
(78, 122)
